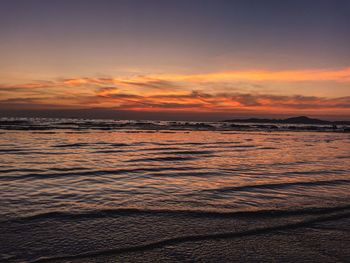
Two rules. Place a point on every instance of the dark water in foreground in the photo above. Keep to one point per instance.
(70, 192)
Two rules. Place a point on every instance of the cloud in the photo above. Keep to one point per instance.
(105, 91)
(86, 81)
(27, 86)
(342, 75)
(195, 100)
(21, 100)
(202, 101)
(155, 84)
(212, 92)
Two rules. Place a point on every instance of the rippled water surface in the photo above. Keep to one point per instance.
(86, 171)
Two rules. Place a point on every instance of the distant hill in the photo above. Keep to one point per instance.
(293, 120)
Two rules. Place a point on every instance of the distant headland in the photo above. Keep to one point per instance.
(292, 120)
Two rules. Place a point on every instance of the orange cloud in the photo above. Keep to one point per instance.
(173, 82)
(201, 101)
(180, 92)
(251, 75)
(84, 81)
(196, 101)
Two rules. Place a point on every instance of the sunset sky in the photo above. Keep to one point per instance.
(191, 59)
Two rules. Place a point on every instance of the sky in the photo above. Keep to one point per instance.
(183, 59)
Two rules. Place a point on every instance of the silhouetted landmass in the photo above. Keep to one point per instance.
(293, 120)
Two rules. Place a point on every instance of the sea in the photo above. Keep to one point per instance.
(76, 190)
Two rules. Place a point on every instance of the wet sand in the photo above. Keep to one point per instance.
(141, 236)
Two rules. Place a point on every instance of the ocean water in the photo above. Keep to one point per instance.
(66, 191)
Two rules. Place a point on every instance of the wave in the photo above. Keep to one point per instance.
(278, 185)
(243, 146)
(68, 168)
(72, 145)
(198, 237)
(32, 152)
(44, 132)
(186, 174)
(11, 151)
(119, 144)
(109, 151)
(154, 126)
(267, 148)
(163, 159)
(314, 172)
(187, 152)
(77, 145)
(196, 143)
(92, 173)
(161, 149)
(102, 213)
(11, 170)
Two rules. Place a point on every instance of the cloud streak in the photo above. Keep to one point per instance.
(199, 93)
(195, 100)
(342, 75)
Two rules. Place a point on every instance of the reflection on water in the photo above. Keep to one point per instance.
(192, 170)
